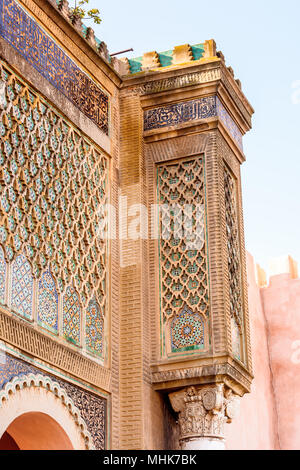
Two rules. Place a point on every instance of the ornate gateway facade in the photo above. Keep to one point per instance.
(124, 313)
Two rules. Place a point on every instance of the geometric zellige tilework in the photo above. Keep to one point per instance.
(234, 261)
(71, 316)
(22, 286)
(183, 247)
(53, 181)
(187, 331)
(94, 328)
(47, 302)
(2, 276)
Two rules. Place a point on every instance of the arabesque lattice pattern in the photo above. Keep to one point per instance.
(234, 261)
(48, 302)
(94, 328)
(2, 276)
(182, 246)
(53, 182)
(71, 316)
(22, 286)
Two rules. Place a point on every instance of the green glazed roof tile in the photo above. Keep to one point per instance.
(165, 58)
(198, 51)
(135, 64)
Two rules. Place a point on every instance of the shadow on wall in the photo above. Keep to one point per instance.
(171, 428)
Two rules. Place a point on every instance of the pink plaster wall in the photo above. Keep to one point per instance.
(281, 302)
(255, 427)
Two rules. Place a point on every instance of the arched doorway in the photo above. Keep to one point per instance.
(37, 414)
(35, 431)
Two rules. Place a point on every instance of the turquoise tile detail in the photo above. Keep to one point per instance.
(84, 29)
(165, 58)
(198, 51)
(135, 64)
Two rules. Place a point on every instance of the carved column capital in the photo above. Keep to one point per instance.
(203, 411)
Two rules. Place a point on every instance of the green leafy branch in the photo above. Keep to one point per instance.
(78, 11)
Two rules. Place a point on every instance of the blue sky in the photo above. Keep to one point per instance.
(261, 41)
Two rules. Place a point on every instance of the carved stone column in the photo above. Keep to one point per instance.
(203, 412)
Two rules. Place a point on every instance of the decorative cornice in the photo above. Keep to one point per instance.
(218, 73)
(23, 336)
(231, 375)
(237, 95)
(38, 380)
(181, 81)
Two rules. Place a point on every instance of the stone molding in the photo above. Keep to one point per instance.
(171, 83)
(238, 380)
(216, 73)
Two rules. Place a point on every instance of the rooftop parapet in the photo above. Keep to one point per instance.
(283, 265)
(180, 55)
(176, 58)
(261, 276)
(277, 266)
(86, 32)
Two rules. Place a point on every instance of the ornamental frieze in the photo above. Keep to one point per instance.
(178, 113)
(179, 82)
(193, 110)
